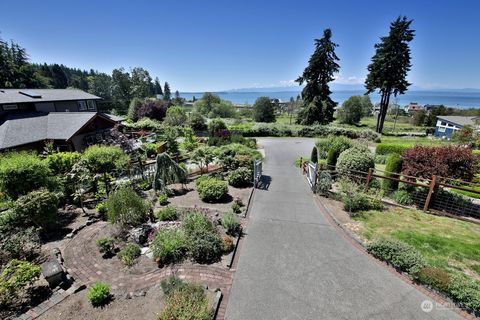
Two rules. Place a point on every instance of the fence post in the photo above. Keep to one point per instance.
(369, 177)
(430, 192)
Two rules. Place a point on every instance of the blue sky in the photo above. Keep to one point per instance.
(220, 45)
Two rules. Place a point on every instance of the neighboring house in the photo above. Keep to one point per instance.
(413, 107)
(67, 117)
(447, 125)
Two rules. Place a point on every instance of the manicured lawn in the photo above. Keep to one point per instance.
(402, 125)
(445, 243)
(414, 140)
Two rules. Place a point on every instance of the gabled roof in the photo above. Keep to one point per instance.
(24, 128)
(43, 95)
(462, 121)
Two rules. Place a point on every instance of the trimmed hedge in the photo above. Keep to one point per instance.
(354, 159)
(394, 165)
(388, 148)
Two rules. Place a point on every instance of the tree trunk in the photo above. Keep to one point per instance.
(385, 109)
(379, 116)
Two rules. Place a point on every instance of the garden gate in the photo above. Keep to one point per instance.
(312, 169)
(257, 172)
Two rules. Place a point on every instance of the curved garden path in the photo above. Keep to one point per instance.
(86, 266)
(294, 264)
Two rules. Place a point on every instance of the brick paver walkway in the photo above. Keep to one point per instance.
(85, 265)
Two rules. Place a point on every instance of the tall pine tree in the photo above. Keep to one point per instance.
(157, 87)
(318, 107)
(390, 65)
(167, 95)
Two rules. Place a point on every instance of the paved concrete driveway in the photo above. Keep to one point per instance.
(295, 265)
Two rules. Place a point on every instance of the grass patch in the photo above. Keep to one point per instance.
(444, 242)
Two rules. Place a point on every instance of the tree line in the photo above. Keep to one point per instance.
(117, 89)
(387, 73)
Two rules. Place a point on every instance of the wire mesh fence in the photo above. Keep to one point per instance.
(440, 194)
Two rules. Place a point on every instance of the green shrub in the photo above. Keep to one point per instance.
(187, 302)
(176, 116)
(389, 148)
(403, 197)
(354, 161)
(38, 208)
(171, 284)
(336, 147)
(231, 223)
(314, 155)
(324, 184)
(163, 199)
(169, 245)
(16, 275)
(241, 177)
(197, 121)
(105, 159)
(465, 290)
(434, 277)
(99, 294)
(22, 172)
(150, 149)
(18, 242)
(106, 246)
(211, 189)
(215, 126)
(102, 208)
(169, 213)
(129, 254)
(397, 253)
(359, 201)
(394, 165)
(62, 162)
(126, 208)
(203, 242)
(236, 207)
(380, 158)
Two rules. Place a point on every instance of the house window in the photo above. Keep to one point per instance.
(82, 105)
(443, 123)
(442, 129)
(91, 105)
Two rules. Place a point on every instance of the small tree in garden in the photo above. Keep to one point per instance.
(203, 156)
(351, 111)
(314, 155)
(170, 136)
(455, 162)
(263, 110)
(167, 172)
(176, 116)
(126, 209)
(190, 142)
(22, 172)
(197, 121)
(105, 159)
(215, 126)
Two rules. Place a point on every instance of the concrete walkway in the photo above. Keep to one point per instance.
(295, 265)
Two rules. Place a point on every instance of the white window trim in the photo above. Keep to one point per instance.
(91, 104)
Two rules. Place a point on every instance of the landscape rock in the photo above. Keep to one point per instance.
(140, 235)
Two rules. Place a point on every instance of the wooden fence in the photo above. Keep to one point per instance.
(435, 193)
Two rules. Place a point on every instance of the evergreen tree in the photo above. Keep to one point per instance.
(263, 110)
(318, 106)
(167, 95)
(390, 65)
(157, 87)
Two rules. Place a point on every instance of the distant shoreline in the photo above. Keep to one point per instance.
(451, 98)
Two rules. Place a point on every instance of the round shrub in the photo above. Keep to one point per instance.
(104, 159)
(435, 278)
(99, 294)
(129, 254)
(38, 208)
(241, 177)
(106, 246)
(325, 182)
(126, 209)
(231, 222)
(236, 207)
(227, 243)
(197, 221)
(22, 172)
(62, 162)
(169, 246)
(169, 213)
(204, 247)
(101, 208)
(353, 159)
(394, 165)
(211, 189)
(336, 146)
(163, 199)
(215, 126)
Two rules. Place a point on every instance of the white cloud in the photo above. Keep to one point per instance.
(341, 79)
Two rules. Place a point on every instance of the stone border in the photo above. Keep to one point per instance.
(360, 245)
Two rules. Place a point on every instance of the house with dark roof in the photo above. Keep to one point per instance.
(447, 125)
(67, 117)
